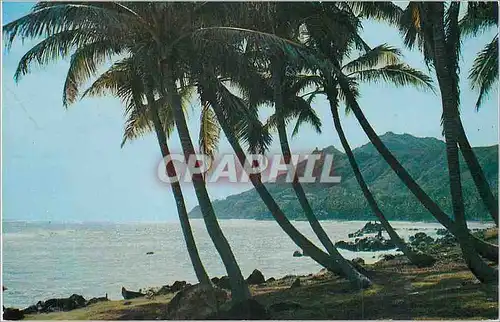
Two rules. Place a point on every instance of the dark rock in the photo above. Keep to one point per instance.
(270, 280)
(178, 286)
(215, 280)
(196, 302)
(75, 301)
(149, 253)
(297, 254)
(388, 257)
(421, 240)
(368, 228)
(295, 283)
(225, 283)
(442, 231)
(165, 289)
(97, 300)
(128, 295)
(284, 306)
(32, 309)
(256, 278)
(12, 314)
(247, 310)
(367, 244)
(359, 260)
(4, 288)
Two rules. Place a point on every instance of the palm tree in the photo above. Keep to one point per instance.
(336, 262)
(124, 81)
(483, 75)
(222, 100)
(439, 38)
(159, 31)
(380, 63)
(281, 27)
(331, 70)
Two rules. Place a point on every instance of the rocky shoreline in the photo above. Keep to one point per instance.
(180, 290)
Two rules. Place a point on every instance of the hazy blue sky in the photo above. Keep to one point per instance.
(68, 165)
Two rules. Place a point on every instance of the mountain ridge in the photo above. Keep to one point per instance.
(425, 160)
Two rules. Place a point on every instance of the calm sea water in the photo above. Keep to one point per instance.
(45, 260)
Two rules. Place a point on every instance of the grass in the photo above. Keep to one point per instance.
(136, 309)
(448, 290)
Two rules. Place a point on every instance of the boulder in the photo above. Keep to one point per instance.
(247, 310)
(196, 302)
(297, 254)
(359, 260)
(368, 228)
(270, 280)
(224, 283)
(32, 309)
(421, 240)
(295, 283)
(367, 244)
(178, 286)
(442, 231)
(75, 301)
(150, 253)
(97, 300)
(388, 257)
(12, 314)
(256, 278)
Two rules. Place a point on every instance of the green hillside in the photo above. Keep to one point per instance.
(424, 158)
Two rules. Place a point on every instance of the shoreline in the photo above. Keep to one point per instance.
(294, 266)
(400, 291)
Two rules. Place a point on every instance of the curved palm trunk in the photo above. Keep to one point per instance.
(335, 262)
(476, 171)
(297, 187)
(301, 195)
(239, 288)
(487, 250)
(199, 269)
(418, 258)
(478, 267)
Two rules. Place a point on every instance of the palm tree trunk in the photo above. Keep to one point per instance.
(239, 288)
(418, 258)
(478, 176)
(335, 262)
(487, 250)
(199, 269)
(478, 267)
(297, 187)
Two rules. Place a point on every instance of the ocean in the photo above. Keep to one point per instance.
(43, 260)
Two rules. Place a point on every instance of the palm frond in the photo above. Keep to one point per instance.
(384, 10)
(53, 48)
(378, 56)
(209, 135)
(416, 32)
(306, 115)
(51, 18)
(84, 64)
(136, 125)
(484, 72)
(399, 75)
(479, 17)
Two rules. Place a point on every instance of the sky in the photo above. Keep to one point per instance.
(67, 165)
